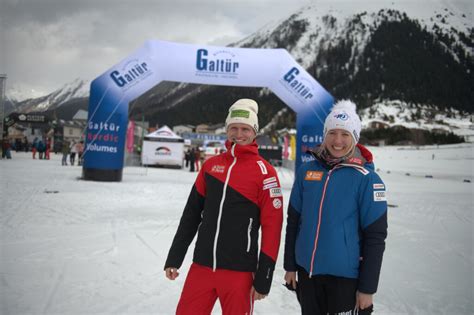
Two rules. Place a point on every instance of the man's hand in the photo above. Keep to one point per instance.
(290, 278)
(171, 273)
(363, 300)
(257, 296)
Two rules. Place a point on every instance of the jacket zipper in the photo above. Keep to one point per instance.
(248, 234)
(319, 222)
(214, 251)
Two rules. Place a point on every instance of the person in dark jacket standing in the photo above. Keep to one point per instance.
(236, 194)
(337, 222)
(41, 149)
(186, 158)
(6, 149)
(191, 160)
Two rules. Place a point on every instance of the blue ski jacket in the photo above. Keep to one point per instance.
(337, 220)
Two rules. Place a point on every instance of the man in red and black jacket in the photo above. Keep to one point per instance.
(235, 194)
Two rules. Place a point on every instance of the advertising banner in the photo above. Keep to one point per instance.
(163, 153)
(159, 60)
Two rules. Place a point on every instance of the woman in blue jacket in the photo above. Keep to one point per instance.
(337, 222)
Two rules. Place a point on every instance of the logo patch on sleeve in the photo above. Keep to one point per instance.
(314, 175)
(277, 203)
(263, 168)
(269, 180)
(275, 192)
(379, 186)
(379, 195)
(270, 185)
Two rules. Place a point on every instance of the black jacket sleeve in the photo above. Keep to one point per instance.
(373, 246)
(264, 274)
(292, 223)
(187, 229)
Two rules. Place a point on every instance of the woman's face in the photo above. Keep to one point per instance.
(338, 142)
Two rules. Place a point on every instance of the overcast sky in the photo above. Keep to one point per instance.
(47, 43)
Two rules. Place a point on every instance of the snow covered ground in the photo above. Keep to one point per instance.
(74, 247)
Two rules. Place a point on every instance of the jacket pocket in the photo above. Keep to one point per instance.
(249, 237)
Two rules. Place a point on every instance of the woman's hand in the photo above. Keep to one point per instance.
(290, 278)
(171, 273)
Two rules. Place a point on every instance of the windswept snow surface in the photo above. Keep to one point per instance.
(75, 247)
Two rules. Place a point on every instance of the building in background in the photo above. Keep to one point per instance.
(180, 129)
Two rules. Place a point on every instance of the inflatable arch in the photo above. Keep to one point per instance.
(157, 61)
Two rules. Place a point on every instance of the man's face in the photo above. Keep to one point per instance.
(240, 133)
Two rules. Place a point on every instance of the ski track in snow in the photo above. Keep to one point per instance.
(56, 283)
(99, 248)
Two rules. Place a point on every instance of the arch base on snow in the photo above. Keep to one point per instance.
(102, 175)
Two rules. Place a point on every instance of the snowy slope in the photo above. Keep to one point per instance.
(328, 22)
(76, 89)
(15, 94)
(309, 32)
(398, 113)
(74, 247)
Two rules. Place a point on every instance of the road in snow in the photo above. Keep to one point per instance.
(74, 247)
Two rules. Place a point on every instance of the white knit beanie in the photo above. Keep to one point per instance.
(244, 111)
(343, 116)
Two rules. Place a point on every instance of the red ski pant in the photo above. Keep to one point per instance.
(203, 286)
(197, 164)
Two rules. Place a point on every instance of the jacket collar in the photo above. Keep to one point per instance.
(362, 158)
(366, 154)
(238, 150)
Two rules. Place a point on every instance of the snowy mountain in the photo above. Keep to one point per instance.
(415, 116)
(403, 51)
(412, 116)
(379, 52)
(384, 53)
(321, 25)
(15, 94)
(77, 89)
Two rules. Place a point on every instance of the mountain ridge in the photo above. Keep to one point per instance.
(382, 54)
